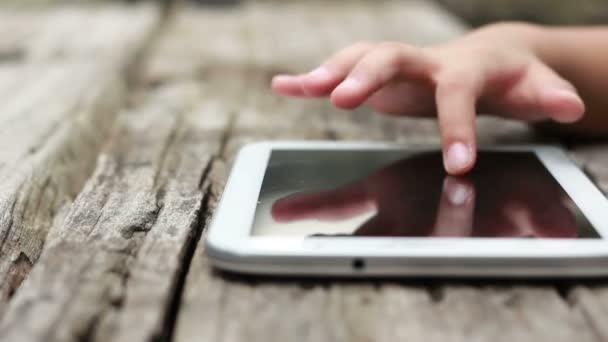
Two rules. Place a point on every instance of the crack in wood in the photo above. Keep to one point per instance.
(21, 266)
(104, 201)
(203, 179)
(226, 134)
(564, 292)
(11, 56)
(11, 220)
(576, 297)
(171, 140)
(88, 332)
(147, 222)
(19, 269)
(196, 229)
(436, 293)
(124, 273)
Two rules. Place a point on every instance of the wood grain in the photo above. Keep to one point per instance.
(48, 148)
(102, 209)
(111, 264)
(110, 35)
(592, 301)
(60, 87)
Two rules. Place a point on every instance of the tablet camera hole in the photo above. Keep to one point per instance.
(358, 264)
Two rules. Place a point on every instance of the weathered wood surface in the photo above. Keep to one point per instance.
(102, 35)
(60, 88)
(106, 201)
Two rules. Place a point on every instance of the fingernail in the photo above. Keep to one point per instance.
(457, 158)
(321, 73)
(566, 93)
(566, 104)
(349, 84)
(457, 193)
(569, 95)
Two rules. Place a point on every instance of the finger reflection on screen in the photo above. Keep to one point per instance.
(507, 194)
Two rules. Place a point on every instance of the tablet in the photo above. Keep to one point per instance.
(376, 209)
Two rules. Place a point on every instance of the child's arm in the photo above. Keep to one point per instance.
(515, 70)
(580, 55)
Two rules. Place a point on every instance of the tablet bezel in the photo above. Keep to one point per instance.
(229, 234)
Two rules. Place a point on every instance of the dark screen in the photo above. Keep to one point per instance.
(400, 193)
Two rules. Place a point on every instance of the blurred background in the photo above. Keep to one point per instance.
(474, 12)
(554, 12)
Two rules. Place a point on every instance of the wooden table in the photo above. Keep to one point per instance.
(118, 126)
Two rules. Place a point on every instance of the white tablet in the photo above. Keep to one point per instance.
(375, 209)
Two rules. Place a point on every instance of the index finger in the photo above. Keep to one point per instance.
(379, 67)
(337, 204)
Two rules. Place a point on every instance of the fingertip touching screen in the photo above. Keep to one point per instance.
(396, 193)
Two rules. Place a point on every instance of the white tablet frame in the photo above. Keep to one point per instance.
(230, 246)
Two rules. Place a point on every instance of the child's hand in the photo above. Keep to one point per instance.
(497, 70)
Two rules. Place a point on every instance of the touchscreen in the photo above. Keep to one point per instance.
(399, 193)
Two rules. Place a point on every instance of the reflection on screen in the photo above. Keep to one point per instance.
(397, 193)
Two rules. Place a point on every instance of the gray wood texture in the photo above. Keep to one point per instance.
(116, 144)
(60, 88)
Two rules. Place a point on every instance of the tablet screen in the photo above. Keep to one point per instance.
(402, 193)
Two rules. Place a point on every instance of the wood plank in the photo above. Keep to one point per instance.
(62, 37)
(592, 303)
(592, 300)
(181, 54)
(110, 34)
(110, 269)
(592, 158)
(58, 99)
(248, 36)
(511, 313)
(37, 4)
(48, 146)
(258, 115)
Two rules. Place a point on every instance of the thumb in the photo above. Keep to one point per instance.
(556, 97)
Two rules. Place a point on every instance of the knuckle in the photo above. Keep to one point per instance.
(398, 55)
(392, 54)
(453, 82)
(395, 49)
(381, 66)
(392, 59)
